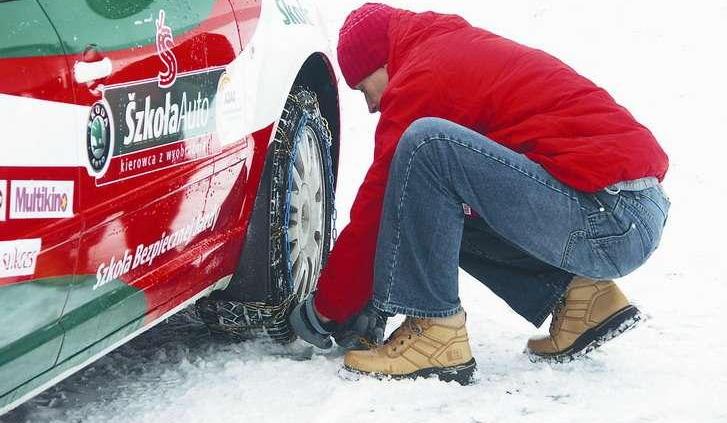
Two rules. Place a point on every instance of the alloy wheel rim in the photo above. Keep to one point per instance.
(306, 224)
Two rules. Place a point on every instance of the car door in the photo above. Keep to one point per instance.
(141, 67)
(40, 225)
(232, 143)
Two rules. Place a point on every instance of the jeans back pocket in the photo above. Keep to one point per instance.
(624, 252)
(616, 234)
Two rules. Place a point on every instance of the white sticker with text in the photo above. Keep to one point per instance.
(41, 199)
(3, 199)
(144, 255)
(18, 257)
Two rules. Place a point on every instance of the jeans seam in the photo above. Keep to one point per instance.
(636, 211)
(483, 255)
(442, 137)
(591, 230)
(407, 173)
(601, 252)
(663, 213)
(397, 238)
(569, 246)
(390, 308)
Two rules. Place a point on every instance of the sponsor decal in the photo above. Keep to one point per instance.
(165, 44)
(19, 257)
(153, 124)
(159, 128)
(145, 254)
(41, 199)
(3, 199)
(148, 119)
(294, 14)
(229, 108)
(99, 136)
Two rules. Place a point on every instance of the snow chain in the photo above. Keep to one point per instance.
(244, 320)
(305, 101)
(241, 321)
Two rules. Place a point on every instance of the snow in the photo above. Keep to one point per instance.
(665, 61)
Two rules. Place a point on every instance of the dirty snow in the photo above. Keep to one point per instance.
(665, 60)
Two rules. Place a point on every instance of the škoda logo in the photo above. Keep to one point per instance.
(165, 44)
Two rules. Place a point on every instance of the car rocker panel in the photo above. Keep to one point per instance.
(137, 142)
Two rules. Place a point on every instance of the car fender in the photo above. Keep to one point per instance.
(288, 33)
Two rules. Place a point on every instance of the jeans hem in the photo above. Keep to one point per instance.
(550, 305)
(394, 309)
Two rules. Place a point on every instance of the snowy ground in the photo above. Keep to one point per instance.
(665, 60)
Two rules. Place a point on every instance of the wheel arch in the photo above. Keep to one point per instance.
(317, 74)
(251, 280)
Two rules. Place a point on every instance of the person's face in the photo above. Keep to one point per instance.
(373, 87)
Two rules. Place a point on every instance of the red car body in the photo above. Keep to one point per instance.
(135, 140)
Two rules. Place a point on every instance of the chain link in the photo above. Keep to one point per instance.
(309, 100)
(334, 236)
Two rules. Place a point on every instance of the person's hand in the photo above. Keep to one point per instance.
(308, 326)
(363, 331)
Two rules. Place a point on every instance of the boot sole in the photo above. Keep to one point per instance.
(462, 373)
(620, 322)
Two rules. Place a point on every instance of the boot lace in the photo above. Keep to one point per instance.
(366, 343)
(406, 330)
(414, 327)
(558, 311)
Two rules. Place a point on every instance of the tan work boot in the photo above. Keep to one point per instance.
(590, 314)
(420, 347)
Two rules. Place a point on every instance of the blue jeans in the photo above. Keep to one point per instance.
(533, 233)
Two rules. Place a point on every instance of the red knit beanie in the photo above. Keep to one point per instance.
(363, 43)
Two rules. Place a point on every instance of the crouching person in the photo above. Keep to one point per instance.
(497, 158)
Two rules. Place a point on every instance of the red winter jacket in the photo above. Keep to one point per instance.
(523, 98)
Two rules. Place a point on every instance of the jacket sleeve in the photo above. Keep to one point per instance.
(346, 283)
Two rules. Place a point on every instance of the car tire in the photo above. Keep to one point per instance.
(290, 231)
